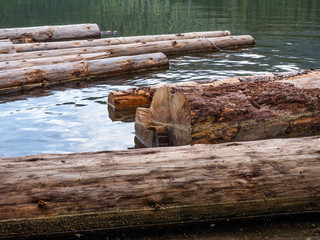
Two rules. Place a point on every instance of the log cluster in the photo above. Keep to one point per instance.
(232, 110)
(24, 66)
(107, 190)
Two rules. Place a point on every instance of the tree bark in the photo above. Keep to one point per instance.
(166, 47)
(4, 66)
(142, 97)
(52, 33)
(115, 41)
(6, 46)
(87, 191)
(13, 80)
(242, 111)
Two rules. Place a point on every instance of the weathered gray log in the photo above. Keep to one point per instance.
(115, 41)
(4, 66)
(52, 33)
(6, 46)
(30, 77)
(237, 112)
(142, 97)
(83, 192)
(167, 47)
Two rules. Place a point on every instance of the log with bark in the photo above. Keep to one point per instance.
(166, 47)
(6, 46)
(235, 111)
(51, 33)
(106, 190)
(142, 96)
(115, 41)
(30, 77)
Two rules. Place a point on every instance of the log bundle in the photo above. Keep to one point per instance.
(106, 190)
(234, 111)
(27, 47)
(29, 77)
(51, 33)
(166, 47)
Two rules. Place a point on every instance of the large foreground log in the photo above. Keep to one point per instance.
(115, 41)
(237, 111)
(83, 192)
(52, 33)
(167, 47)
(30, 77)
(142, 97)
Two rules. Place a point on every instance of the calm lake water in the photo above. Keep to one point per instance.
(75, 118)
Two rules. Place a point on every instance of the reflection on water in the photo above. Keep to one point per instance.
(75, 118)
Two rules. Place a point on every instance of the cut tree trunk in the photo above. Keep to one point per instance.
(107, 190)
(142, 97)
(115, 41)
(51, 60)
(30, 77)
(51, 33)
(166, 47)
(6, 46)
(242, 111)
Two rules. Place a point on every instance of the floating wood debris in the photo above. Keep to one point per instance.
(29, 77)
(115, 41)
(123, 189)
(223, 112)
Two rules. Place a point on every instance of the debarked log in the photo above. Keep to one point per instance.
(237, 111)
(107, 190)
(166, 47)
(142, 96)
(52, 33)
(4, 66)
(30, 77)
(115, 41)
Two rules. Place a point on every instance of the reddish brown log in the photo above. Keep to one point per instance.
(242, 111)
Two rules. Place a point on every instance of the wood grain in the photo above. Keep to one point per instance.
(80, 192)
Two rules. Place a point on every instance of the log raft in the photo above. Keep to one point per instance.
(51, 33)
(30, 77)
(27, 47)
(107, 190)
(166, 47)
(142, 97)
(244, 111)
(6, 46)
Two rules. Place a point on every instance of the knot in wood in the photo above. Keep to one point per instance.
(248, 177)
(42, 204)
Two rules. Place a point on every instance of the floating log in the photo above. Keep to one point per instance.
(115, 41)
(236, 111)
(107, 190)
(4, 66)
(167, 47)
(30, 77)
(51, 33)
(6, 46)
(142, 97)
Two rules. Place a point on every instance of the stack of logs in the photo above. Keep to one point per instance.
(47, 58)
